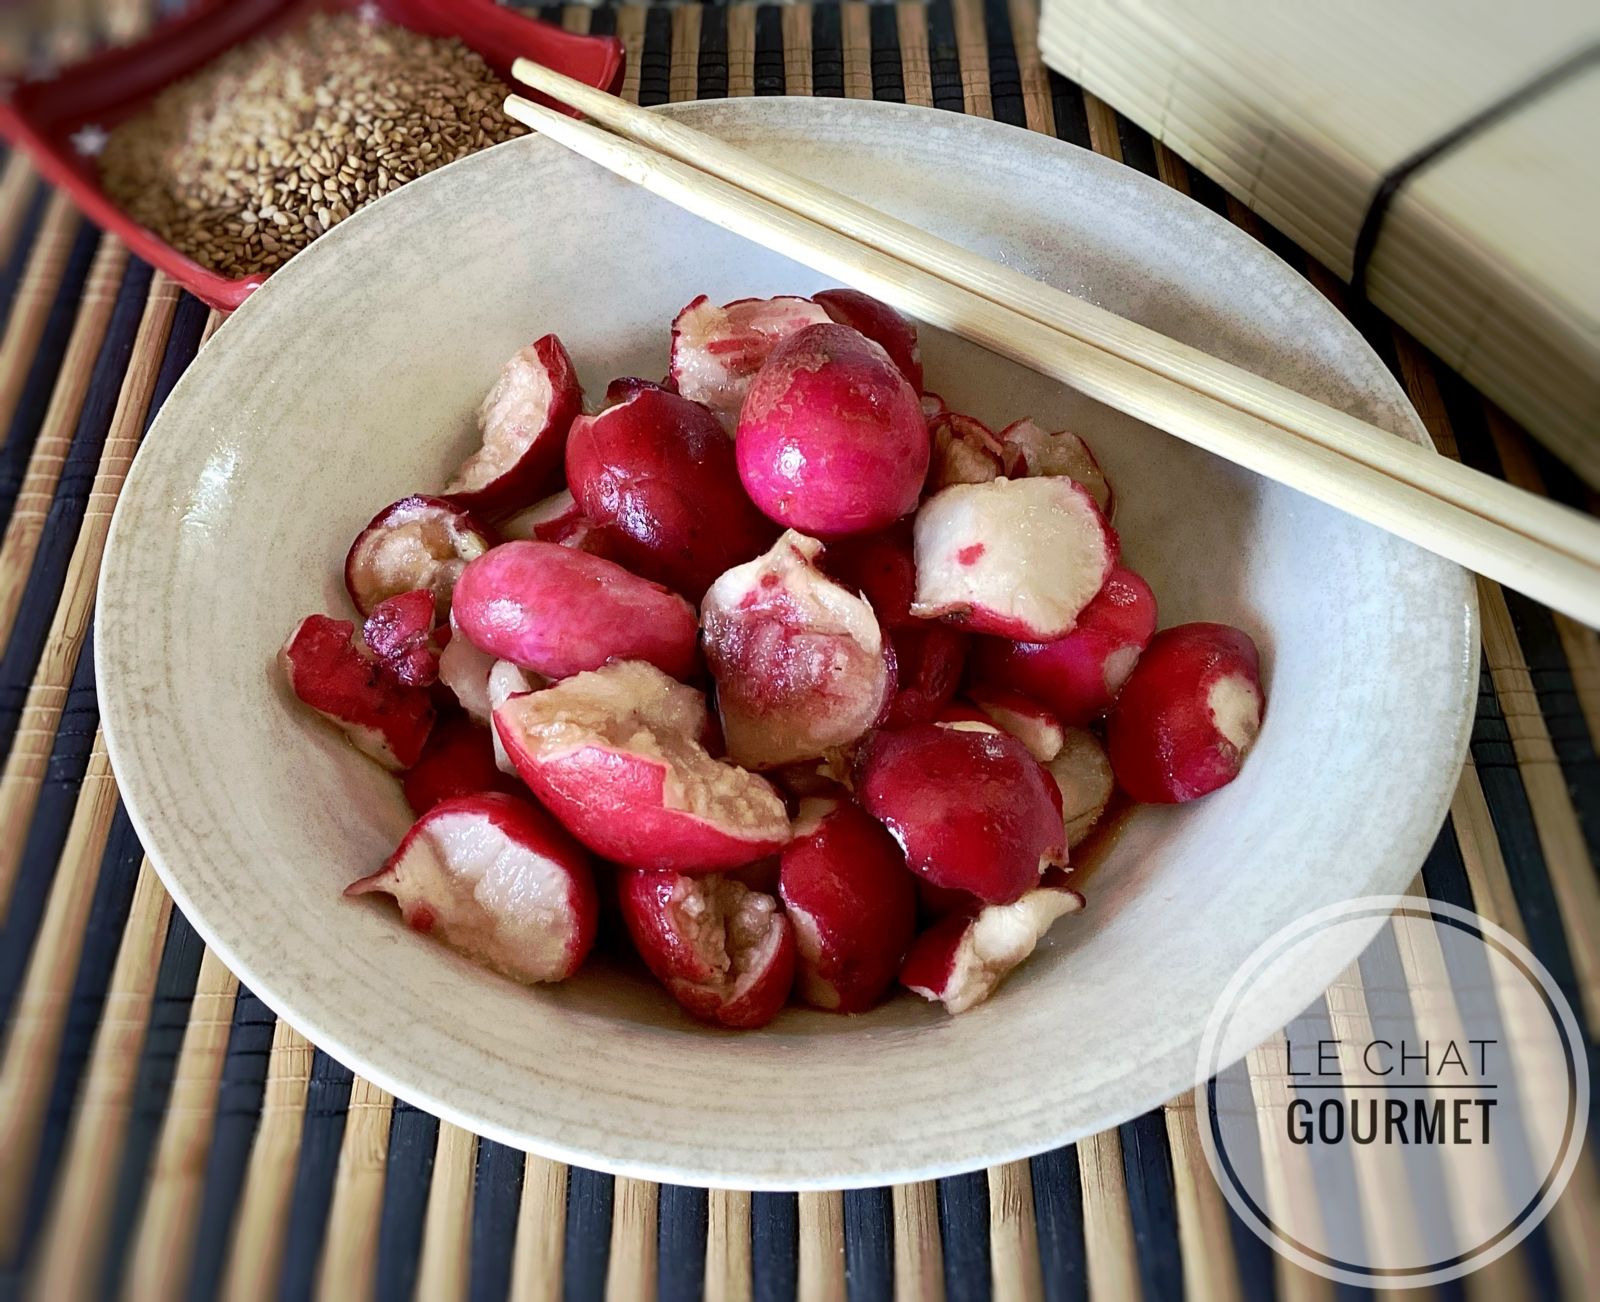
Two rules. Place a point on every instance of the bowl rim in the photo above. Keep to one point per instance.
(1181, 1051)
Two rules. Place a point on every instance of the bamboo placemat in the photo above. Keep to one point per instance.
(162, 1136)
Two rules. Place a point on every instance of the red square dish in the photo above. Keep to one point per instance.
(44, 116)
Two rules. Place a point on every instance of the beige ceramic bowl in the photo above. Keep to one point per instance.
(350, 379)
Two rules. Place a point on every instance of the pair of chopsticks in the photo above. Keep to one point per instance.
(1538, 547)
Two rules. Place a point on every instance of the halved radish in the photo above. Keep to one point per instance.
(1080, 675)
(399, 633)
(832, 440)
(716, 351)
(892, 332)
(963, 959)
(1031, 451)
(465, 671)
(1083, 774)
(494, 877)
(1188, 715)
(1023, 717)
(386, 720)
(618, 756)
(417, 542)
(880, 567)
(658, 472)
(852, 902)
(723, 951)
(965, 451)
(800, 663)
(457, 761)
(1017, 557)
(972, 810)
(558, 612)
(928, 659)
(524, 422)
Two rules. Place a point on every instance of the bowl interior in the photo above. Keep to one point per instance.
(350, 379)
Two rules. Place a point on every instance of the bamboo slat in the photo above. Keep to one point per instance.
(576, 18)
(163, 1245)
(60, 421)
(683, 81)
(540, 1248)
(447, 1231)
(1107, 1221)
(1013, 1233)
(796, 24)
(255, 1256)
(1210, 1273)
(349, 1267)
(821, 1270)
(631, 1276)
(741, 21)
(40, 1017)
(855, 23)
(1103, 137)
(30, 306)
(916, 68)
(73, 1242)
(1037, 103)
(728, 1277)
(972, 47)
(30, 752)
(918, 1249)
(630, 31)
(18, 181)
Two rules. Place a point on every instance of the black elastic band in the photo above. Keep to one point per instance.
(1397, 176)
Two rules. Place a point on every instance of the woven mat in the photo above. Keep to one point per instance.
(162, 1136)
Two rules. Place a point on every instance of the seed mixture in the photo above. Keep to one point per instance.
(245, 163)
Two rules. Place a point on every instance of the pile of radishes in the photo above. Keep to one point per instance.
(915, 631)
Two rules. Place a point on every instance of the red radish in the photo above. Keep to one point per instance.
(658, 472)
(524, 422)
(880, 323)
(1188, 714)
(962, 960)
(618, 756)
(625, 386)
(813, 778)
(716, 351)
(852, 903)
(972, 810)
(1078, 676)
(505, 681)
(559, 519)
(937, 902)
(831, 437)
(878, 566)
(800, 663)
(1030, 451)
(929, 659)
(722, 950)
(966, 717)
(1023, 717)
(933, 405)
(417, 542)
(559, 612)
(1017, 557)
(399, 633)
(1083, 774)
(465, 671)
(494, 877)
(965, 451)
(386, 720)
(457, 761)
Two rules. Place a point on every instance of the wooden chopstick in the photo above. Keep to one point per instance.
(1556, 525)
(1556, 576)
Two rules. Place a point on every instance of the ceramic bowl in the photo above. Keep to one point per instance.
(350, 379)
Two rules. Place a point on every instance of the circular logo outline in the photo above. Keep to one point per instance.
(1574, 1050)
